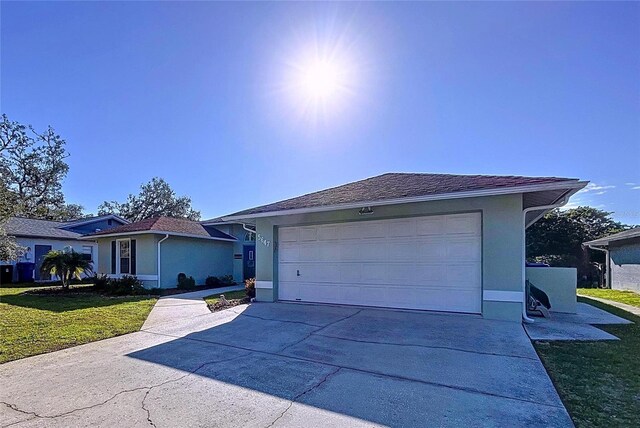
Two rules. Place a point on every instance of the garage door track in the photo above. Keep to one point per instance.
(295, 365)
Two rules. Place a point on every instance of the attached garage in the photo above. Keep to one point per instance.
(440, 242)
(430, 262)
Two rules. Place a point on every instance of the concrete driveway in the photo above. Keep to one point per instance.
(291, 365)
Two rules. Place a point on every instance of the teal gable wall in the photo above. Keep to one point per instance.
(195, 257)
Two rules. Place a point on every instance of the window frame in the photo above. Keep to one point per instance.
(90, 253)
(119, 258)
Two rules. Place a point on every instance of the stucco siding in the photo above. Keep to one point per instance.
(625, 266)
(195, 257)
(502, 241)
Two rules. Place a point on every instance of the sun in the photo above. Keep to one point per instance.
(319, 80)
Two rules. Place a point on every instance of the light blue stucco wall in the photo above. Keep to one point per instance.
(625, 265)
(146, 257)
(502, 243)
(195, 257)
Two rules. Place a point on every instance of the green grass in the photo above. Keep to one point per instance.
(629, 297)
(229, 295)
(32, 324)
(599, 382)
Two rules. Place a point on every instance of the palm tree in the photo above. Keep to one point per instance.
(66, 264)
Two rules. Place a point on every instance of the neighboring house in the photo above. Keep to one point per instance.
(244, 249)
(38, 237)
(416, 241)
(622, 258)
(156, 250)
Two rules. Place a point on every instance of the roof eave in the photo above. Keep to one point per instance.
(569, 185)
(153, 232)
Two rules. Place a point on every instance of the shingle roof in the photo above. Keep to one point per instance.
(392, 186)
(627, 234)
(19, 226)
(167, 225)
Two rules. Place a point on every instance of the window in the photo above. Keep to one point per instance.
(124, 256)
(250, 237)
(87, 253)
(109, 222)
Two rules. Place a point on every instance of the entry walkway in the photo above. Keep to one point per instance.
(183, 306)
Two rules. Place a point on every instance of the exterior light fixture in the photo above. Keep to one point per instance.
(365, 211)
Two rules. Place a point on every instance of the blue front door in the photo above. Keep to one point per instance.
(41, 251)
(249, 261)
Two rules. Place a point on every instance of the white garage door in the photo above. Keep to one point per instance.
(431, 263)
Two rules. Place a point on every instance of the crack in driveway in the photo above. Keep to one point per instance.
(308, 390)
(141, 388)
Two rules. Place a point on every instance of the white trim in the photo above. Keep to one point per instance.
(160, 242)
(264, 285)
(118, 241)
(153, 232)
(140, 277)
(455, 195)
(503, 296)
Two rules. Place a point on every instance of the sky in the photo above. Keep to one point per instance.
(212, 97)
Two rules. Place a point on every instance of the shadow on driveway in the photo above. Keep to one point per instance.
(294, 364)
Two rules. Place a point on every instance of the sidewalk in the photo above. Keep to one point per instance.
(183, 306)
(634, 310)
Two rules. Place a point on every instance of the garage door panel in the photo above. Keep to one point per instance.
(289, 234)
(402, 228)
(461, 249)
(402, 250)
(289, 252)
(327, 233)
(350, 273)
(430, 225)
(468, 224)
(308, 234)
(374, 273)
(430, 263)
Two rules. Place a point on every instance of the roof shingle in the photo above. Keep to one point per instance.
(393, 186)
(168, 225)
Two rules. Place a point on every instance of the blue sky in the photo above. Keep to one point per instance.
(202, 94)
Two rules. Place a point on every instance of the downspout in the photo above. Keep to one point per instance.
(607, 263)
(244, 226)
(160, 242)
(564, 200)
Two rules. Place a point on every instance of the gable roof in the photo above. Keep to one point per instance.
(37, 228)
(166, 225)
(627, 234)
(410, 187)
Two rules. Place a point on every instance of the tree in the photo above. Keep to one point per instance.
(156, 198)
(557, 238)
(32, 167)
(9, 248)
(66, 264)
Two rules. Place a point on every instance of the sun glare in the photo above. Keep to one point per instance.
(320, 80)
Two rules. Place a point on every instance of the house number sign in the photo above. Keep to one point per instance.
(262, 239)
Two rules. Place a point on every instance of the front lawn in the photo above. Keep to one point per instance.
(35, 324)
(628, 297)
(599, 382)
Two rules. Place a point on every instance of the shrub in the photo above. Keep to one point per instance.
(101, 282)
(250, 287)
(185, 283)
(127, 285)
(227, 280)
(212, 281)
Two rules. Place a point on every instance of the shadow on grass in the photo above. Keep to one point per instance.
(64, 302)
